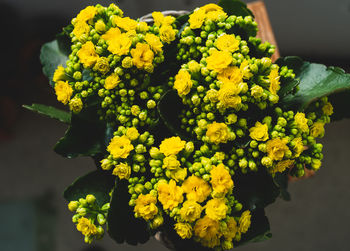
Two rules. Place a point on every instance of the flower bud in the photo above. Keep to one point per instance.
(266, 161)
(73, 206)
(90, 198)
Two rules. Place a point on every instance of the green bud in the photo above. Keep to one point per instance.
(73, 206)
(243, 163)
(101, 219)
(266, 161)
(105, 207)
(81, 211)
(75, 218)
(90, 199)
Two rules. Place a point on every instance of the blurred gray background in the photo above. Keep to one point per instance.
(33, 214)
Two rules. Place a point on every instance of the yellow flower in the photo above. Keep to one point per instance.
(221, 180)
(167, 34)
(216, 209)
(212, 95)
(87, 14)
(142, 27)
(126, 23)
(145, 206)
(276, 148)
(231, 230)
(327, 109)
(231, 75)
(244, 67)
(216, 15)
(87, 54)
(120, 45)
(281, 166)
(122, 170)
(317, 129)
(211, 7)
(170, 195)
(184, 230)
(274, 81)
(142, 55)
(168, 20)
(218, 133)
(80, 29)
(244, 222)
(301, 121)
(86, 227)
(227, 43)
(75, 105)
(135, 110)
(111, 81)
(158, 18)
(207, 230)
(154, 42)
(172, 146)
(196, 189)
(132, 133)
(102, 65)
(316, 164)
(193, 66)
(228, 96)
(190, 211)
(196, 19)
(100, 26)
(219, 60)
(106, 164)
(120, 147)
(183, 82)
(63, 91)
(298, 146)
(259, 132)
(171, 162)
(178, 174)
(111, 34)
(59, 74)
(256, 91)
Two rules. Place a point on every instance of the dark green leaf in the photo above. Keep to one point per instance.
(63, 39)
(281, 180)
(341, 104)
(121, 222)
(288, 87)
(51, 56)
(316, 81)
(99, 183)
(235, 7)
(50, 111)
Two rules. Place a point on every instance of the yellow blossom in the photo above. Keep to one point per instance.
(183, 82)
(190, 211)
(167, 34)
(221, 180)
(244, 67)
(216, 15)
(158, 18)
(75, 105)
(212, 95)
(122, 170)
(100, 26)
(120, 147)
(132, 133)
(170, 195)
(259, 132)
(172, 146)
(120, 45)
(87, 54)
(184, 230)
(59, 74)
(111, 34)
(171, 162)
(218, 133)
(231, 74)
(256, 91)
(87, 14)
(231, 230)
(298, 146)
(145, 206)
(142, 27)
(219, 60)
(154, 42)
(227, 43)
(301, 121)
(86, 227)
(274, 81)
(197, 18)
(211, 7)
(135, 110)
(216, 209)
(142, 56)
(111, 81)
(81, 28)
(126, 23)
(196, 189)
(327, 109)
(193, 66)
(207, 230)
(281, 166)
(63, 91)
(228, 96)
(317, 129)
(102, 65)
(244, 222)
(178, 174)
(168, 20)
(276, 148)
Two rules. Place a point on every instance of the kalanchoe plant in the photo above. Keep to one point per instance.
(193, 129)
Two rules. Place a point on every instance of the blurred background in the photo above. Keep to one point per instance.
(33, 213)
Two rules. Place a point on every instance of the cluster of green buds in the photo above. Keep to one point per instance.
(89, 217)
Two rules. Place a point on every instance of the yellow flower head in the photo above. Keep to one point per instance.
(102, 65)
(170, 195)
(327, 109)
(132, 133)
(87, 54)
(197, 18)
(301, 121)
(122, 170)
(190, 211)
(212, 95)
(135, 110)
(274, 81)
(87, 14)
(193, 66)
(111, 34)
(100, 26)
(111, 81)
(221, 180)
(75, 105)
(168, 20)
(317, 129)
(216, 15)
(259, 132)
(231, 75)
(81, 28)
(154, 42)
(59, 74)
(126, 23)
(145, 206)
(142, 27)
(171, 162)
(231, 230)
(142, 55)
(207, 230)
(196, 189)
(167, 34)
(219, 60)
(244, 222)
(63, 91)
(216, 209)
(183, 82)
(227, 43)
(218, 133)
(178, 174)
(172, 146)
(298, 146)
(256, 91)
(120, 147)
(86, 227)
(158, 18)
(276, 148)
(281, 166)
(184, 230)
(120, 45)
(244, 67)
(211, 7)
(228, 95)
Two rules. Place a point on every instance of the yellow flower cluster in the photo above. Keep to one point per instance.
(207, 12)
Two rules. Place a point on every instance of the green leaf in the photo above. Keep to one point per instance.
(281, 180)
(50, 111)
(51, 56)
(341, 104)
(235, 7)
(288, 87)
(316, 81)
(99, 183)
(121, 222)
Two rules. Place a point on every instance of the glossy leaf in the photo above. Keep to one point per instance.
(50, 111)
(235, 7)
